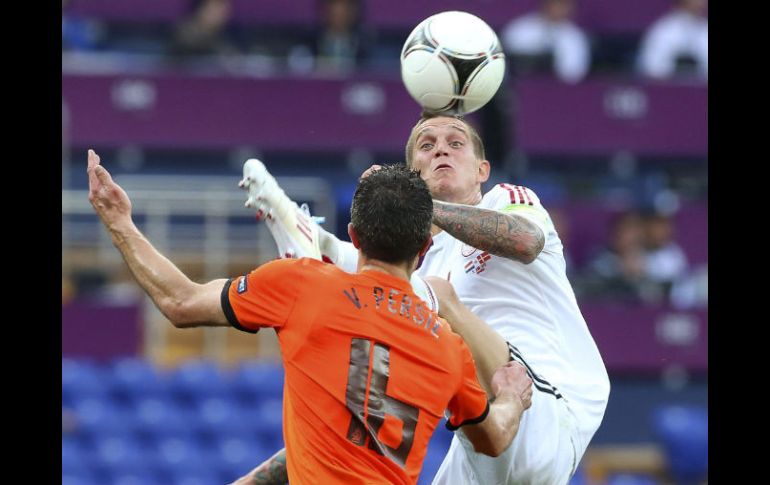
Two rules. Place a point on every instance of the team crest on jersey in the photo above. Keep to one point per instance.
(478, 264)
(242, 285)
(466, 250)
(357, 437)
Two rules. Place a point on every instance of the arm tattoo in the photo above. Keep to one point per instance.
(501, 234)
(272, 471)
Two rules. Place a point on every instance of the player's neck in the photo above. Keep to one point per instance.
(473, 198)
(399, 270)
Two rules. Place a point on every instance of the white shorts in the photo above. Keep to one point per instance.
(546, 450)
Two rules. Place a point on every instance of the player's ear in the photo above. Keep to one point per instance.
(483, 171)
(425, 247)
(353, 236)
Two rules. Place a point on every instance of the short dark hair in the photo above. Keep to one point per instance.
(392, 212)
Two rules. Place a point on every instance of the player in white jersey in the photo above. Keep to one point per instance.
(502, 255)
(533, 308)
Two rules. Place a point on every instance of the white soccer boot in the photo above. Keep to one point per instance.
(294, 230)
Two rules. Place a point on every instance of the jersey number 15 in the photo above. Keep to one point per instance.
(368, 415)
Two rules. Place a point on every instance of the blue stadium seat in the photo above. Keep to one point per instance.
(219, 416)
(74, 456)
(135, 377)
(81, 378)
(579, 478)
(82, 477)
(265, 421)
(258, 379)
(158, 418)
(122, 455)
(196, 380)
(182, 456)
(683, 434)
(236, 456)
(135, 477)
(437, 449)
(631, 479)
(67, 398)
(201, 478)
(442, 435)
(102, 417)
(432, 462)
(261, 414)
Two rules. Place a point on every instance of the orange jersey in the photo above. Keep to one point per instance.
(369, 370)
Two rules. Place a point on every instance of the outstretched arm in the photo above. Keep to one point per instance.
(184, 302)
(506, 235)
(271, 472)
(513, 395)
(506, 382)
(489, 349)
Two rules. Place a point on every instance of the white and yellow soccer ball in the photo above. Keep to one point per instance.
(452, 63)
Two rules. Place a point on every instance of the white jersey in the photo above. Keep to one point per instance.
(533, 307)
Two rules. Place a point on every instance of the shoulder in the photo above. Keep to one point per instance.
(574, 32)
(524, 24)
(526, 19)
(513, 194)
(288, 268)
(666, 24)
(280, 265)
(304, 263)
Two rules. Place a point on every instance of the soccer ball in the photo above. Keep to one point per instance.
(452, 63)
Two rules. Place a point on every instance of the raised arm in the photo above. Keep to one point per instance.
(507, 235)
(184, 302)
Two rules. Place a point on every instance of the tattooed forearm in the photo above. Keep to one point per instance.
(270, 472)
(501, 234)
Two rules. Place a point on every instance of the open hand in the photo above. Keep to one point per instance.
(369, 170)
(109, 200)
(512, 377)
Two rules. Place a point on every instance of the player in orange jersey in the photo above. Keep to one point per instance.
(369, 368)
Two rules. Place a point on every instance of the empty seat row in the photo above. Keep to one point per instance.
(131, 377)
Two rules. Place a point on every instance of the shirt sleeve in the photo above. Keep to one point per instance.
(265, 297)
(521, 201)
(470, 404)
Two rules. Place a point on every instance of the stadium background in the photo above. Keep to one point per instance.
(145, 403)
